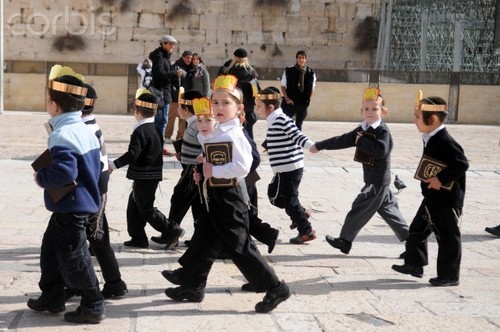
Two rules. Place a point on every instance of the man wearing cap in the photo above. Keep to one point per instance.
(297, 86)
(163, 75)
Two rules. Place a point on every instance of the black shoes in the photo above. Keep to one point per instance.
(402, 255)
(273, 297)
(493, 230)
(413, 270)
(339, 243)
(443, 282)
(182, 293)
(41, 305)
(272, 243)
(115, 289)
(171, 238)
(83, 317)
(136, 244)
(173, 276)
(303, 238)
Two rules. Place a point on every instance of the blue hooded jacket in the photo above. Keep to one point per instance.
(75, 158)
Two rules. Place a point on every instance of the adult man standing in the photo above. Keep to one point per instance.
(163, 75)
(297, 86)
(184, 65)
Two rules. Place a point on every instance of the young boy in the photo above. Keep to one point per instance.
(224, 220)
(443, 191)
(75, 158)
(373, 141)
(145, 160)
(284, 145)
(261, 231)
(186, 191)
(97, 228)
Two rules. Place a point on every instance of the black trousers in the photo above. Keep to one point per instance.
(65, 261)
(250, 119)
(225, 224)
(444, 222)
(289, 189)
(141, 210)
(261, 231)
(98, 236)
(185, 195)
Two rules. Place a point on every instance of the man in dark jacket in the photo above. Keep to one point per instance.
(163, 75)
(297, 85)
(183, 64)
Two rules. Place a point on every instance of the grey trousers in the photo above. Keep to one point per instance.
(370, 200)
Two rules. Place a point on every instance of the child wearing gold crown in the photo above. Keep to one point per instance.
(185, 194)
(75, 158)
(443, 191)
(224, 221)
(145, 160)
(373, 142)
(284, 144)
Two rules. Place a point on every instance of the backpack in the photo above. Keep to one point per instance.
(148, 77)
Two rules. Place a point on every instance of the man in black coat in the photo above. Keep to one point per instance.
(163, 76)
(297, 86)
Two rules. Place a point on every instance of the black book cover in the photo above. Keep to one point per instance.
(219, 154)
(429, 167)
(362, 157)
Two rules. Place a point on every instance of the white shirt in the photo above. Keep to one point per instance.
(239, 167)
(374, 125)
(427, 136)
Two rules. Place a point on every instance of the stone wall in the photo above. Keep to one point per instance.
(104, 39)
(125, 31)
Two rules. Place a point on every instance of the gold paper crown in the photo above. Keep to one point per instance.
(428, 107)
(89, 102)
(267, 96)
(141, 103)
(371, 94)
(181, 99)
(58, 71)
(228, 83)
(202, 107)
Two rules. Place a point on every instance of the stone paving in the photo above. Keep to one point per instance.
(331, 291)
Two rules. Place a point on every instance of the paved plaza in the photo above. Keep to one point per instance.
(331, 291)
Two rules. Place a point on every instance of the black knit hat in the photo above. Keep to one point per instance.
(240, 53)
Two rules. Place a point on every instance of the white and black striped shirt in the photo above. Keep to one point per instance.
(285, 142)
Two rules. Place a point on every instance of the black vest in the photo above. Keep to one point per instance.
(292, 85)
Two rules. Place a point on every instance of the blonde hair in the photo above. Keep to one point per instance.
(239, 62)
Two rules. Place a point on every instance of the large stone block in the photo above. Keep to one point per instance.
(125, 19)
(313, 9)
(151, 20)
(270, 23)
(364, 10)
(255, 37)
(15, 87)
(209, 21)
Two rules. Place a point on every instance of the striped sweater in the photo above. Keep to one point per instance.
(191, 147)
(285, 142)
